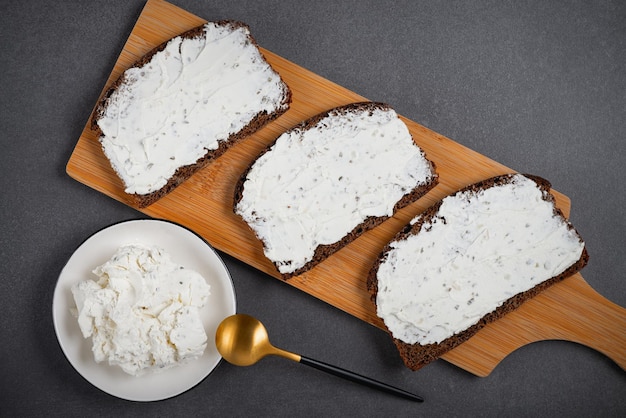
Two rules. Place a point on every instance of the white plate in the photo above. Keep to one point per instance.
(187, 249)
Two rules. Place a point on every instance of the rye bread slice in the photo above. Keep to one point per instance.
(184, 172)
(416, 356)
(324, 251)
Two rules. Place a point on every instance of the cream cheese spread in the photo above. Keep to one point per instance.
(143, 311)
(478, 251)
(314, 186)
(188, 98)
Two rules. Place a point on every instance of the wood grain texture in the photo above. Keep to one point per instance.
(570, 310)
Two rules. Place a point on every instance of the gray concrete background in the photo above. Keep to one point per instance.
(538, 86)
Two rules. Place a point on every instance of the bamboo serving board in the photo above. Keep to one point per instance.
(570, 310)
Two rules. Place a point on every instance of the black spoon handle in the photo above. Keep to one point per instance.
(346, 374)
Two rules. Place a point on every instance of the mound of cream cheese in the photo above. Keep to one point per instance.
(315, 185)
(480, 249)
(188, 98)
(142, 313)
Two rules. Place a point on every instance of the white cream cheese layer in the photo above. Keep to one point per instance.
(480, 250)
(143, 311)
(189, 97)
(315, 186)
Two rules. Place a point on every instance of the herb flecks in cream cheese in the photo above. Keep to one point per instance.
(315, 185)
(188, 98)
(143, 311)
(478, 251)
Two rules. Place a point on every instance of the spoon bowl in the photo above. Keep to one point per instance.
(243, 340)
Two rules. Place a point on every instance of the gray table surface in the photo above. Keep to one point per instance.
(538, 86)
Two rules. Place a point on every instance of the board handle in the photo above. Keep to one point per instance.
(570, 310)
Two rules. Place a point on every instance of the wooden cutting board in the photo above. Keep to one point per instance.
(570, 310)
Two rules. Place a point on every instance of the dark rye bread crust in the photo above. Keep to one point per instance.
(416, 356)
(324, 251)
(185, 172)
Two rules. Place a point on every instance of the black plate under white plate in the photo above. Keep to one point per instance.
(186, 248)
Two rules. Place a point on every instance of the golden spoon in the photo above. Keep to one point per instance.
(242, 340)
